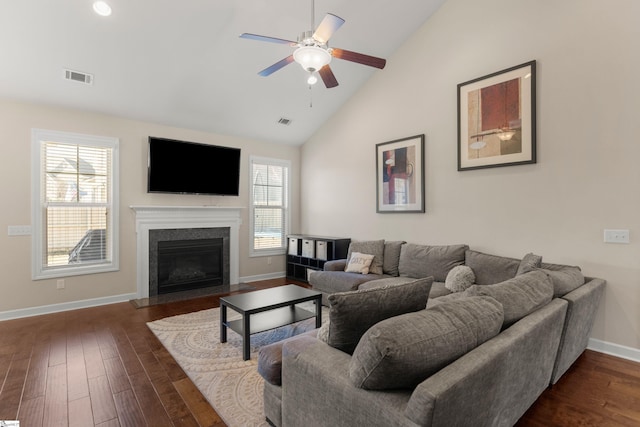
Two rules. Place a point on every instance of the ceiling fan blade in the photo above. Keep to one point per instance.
(360, 58)
(267, 39)
(328, 77)
(327, 27)
(275, 67)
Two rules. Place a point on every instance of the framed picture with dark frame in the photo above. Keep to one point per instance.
(400, 175)
(497, 119)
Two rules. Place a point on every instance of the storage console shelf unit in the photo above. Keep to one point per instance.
(309, 253)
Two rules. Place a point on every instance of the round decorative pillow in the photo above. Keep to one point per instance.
(459, 278)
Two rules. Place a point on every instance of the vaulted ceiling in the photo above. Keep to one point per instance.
(182, 63)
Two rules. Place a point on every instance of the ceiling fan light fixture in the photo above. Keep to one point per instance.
(312, 79)
(311, 58)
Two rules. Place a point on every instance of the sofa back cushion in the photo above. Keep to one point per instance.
(423, 261)
(352, 313)
(403, 351)
(565, 278)
(519, 296)
(371, 247)
(490, 269)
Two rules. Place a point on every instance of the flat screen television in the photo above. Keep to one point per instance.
(182, 167)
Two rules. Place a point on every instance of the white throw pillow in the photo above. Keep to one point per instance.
(459, 278)
(359, 263)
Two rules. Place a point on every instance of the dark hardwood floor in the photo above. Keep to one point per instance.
(102, 366)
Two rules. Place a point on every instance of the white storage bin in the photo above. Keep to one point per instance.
(293, 246)
(308, 248)
(321, 250)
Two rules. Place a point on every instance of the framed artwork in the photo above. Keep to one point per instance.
(400, 175)
(497, 119)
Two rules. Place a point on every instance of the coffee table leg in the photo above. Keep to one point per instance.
(223, 323)
(246, 337)
(318, 312)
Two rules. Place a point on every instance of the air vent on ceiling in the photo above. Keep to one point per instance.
(284, 121)
(78, 76)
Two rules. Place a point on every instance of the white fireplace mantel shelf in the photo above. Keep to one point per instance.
(175, 217)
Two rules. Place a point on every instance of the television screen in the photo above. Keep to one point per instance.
(192, 168)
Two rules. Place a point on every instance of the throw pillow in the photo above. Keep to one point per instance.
(424, 261)
(490, 269)
(565, 278)
(403, 351)
(391, 258)
(373, 247)
(359, 263)
(529, 263)
(519, 296)
(352, 313)
(459, 278)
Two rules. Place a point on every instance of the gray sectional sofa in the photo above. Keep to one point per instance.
(432, 336)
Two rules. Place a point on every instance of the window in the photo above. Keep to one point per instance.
(75, 204)
(269, 206)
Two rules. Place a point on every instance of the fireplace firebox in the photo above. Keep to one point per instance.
(189, 264)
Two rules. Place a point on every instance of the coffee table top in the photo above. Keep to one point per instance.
(268, 299)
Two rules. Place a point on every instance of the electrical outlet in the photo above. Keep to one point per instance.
(19, 230)
(616, 236)
(60, 283)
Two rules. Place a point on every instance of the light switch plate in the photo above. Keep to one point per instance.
(616, 236)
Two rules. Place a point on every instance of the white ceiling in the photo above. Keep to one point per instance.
(181, 63)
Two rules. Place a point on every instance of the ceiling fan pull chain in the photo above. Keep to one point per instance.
(310, 97)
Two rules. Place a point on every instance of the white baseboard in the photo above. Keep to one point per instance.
(248, 279)
(56, 308)
(612, 349)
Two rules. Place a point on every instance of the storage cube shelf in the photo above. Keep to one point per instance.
(309, 253)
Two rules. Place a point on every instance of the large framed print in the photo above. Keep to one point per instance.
(400, 175)
(497, 119)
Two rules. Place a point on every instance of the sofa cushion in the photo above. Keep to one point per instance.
(519, 296)
(565, 278)
(352, 313)
(338, 281)
(386, 281)
(403, 351)
(424, 261)
(372, 247)
(270, 357)
(459, 278)
(359, 263)
(529, 263)
(391, 257)
(490, 269)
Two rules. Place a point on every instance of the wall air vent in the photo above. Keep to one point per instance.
(284, 121)
(78, 76)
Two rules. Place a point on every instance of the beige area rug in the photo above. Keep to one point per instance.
(232, 386)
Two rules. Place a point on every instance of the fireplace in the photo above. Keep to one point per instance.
(187, 223)
(189, 264)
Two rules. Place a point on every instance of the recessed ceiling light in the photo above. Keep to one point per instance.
(102, 8)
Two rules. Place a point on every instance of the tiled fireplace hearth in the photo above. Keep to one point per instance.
(184, 224)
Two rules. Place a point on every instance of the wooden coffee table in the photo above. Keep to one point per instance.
(267, 309)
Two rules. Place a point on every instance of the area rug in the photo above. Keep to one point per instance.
(232, 386)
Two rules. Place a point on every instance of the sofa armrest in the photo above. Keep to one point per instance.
(581, 313)
(317, 391)
(335, 265)
(495, 383)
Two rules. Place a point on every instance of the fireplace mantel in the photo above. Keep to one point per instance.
(168, 217)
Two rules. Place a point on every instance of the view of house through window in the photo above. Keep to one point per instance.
(74, 218)
(269, 205)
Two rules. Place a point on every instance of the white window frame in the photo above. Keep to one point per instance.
(38, 269)
(253, 252)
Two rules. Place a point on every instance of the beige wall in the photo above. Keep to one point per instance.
(17, 290)
(587, 176)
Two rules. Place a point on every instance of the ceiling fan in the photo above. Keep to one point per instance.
(313, 52)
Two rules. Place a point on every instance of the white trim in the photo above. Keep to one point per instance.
(38, 136)
(258, 277)
(612, 349)
(168, 217)
(66, 306)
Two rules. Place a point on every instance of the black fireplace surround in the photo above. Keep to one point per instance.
(188, 258)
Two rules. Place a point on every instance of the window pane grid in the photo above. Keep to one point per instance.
(269, 206)
(76, 204)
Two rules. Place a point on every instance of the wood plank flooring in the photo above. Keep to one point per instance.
(103, 367)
